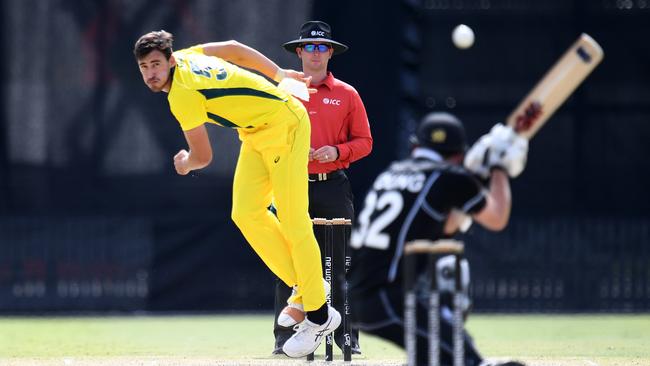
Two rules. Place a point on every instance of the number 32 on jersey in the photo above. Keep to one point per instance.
(371, 230)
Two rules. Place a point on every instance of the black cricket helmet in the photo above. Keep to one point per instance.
(442, 132)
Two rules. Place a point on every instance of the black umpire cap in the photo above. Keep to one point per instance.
(442, 132)
(315, 31)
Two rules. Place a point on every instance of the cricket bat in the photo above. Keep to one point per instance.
(556, 86)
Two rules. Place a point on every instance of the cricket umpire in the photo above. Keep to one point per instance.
(340, 135)
(429, 196)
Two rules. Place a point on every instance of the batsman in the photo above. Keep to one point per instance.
(429, 196)
(205, 85)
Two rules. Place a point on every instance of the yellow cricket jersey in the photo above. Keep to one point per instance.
(209, 89)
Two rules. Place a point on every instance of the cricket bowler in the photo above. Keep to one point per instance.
(205, 84)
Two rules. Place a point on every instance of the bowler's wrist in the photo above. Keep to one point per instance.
(279, 75)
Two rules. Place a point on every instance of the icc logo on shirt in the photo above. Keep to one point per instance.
(332, 101)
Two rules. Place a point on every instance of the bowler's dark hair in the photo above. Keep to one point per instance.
(156, 40)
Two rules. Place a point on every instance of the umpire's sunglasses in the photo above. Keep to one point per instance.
(310, 47)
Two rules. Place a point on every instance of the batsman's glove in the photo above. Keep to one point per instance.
(508, 150)
(501, 148)
(475, 158)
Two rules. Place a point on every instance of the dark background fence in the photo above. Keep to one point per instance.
(93, 217)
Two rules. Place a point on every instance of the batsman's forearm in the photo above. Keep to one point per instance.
(500, 191)
(496, 213)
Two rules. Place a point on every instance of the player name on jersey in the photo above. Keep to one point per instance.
(403, 176)
(411, 182)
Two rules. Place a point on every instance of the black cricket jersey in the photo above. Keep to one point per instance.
(410, 200)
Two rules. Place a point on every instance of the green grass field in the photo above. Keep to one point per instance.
(247, 340)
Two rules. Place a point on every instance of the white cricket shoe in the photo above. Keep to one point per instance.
(291, 315)
(308, 335)
(294, 313)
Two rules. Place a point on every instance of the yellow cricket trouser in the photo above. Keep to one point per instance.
(272, 167)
